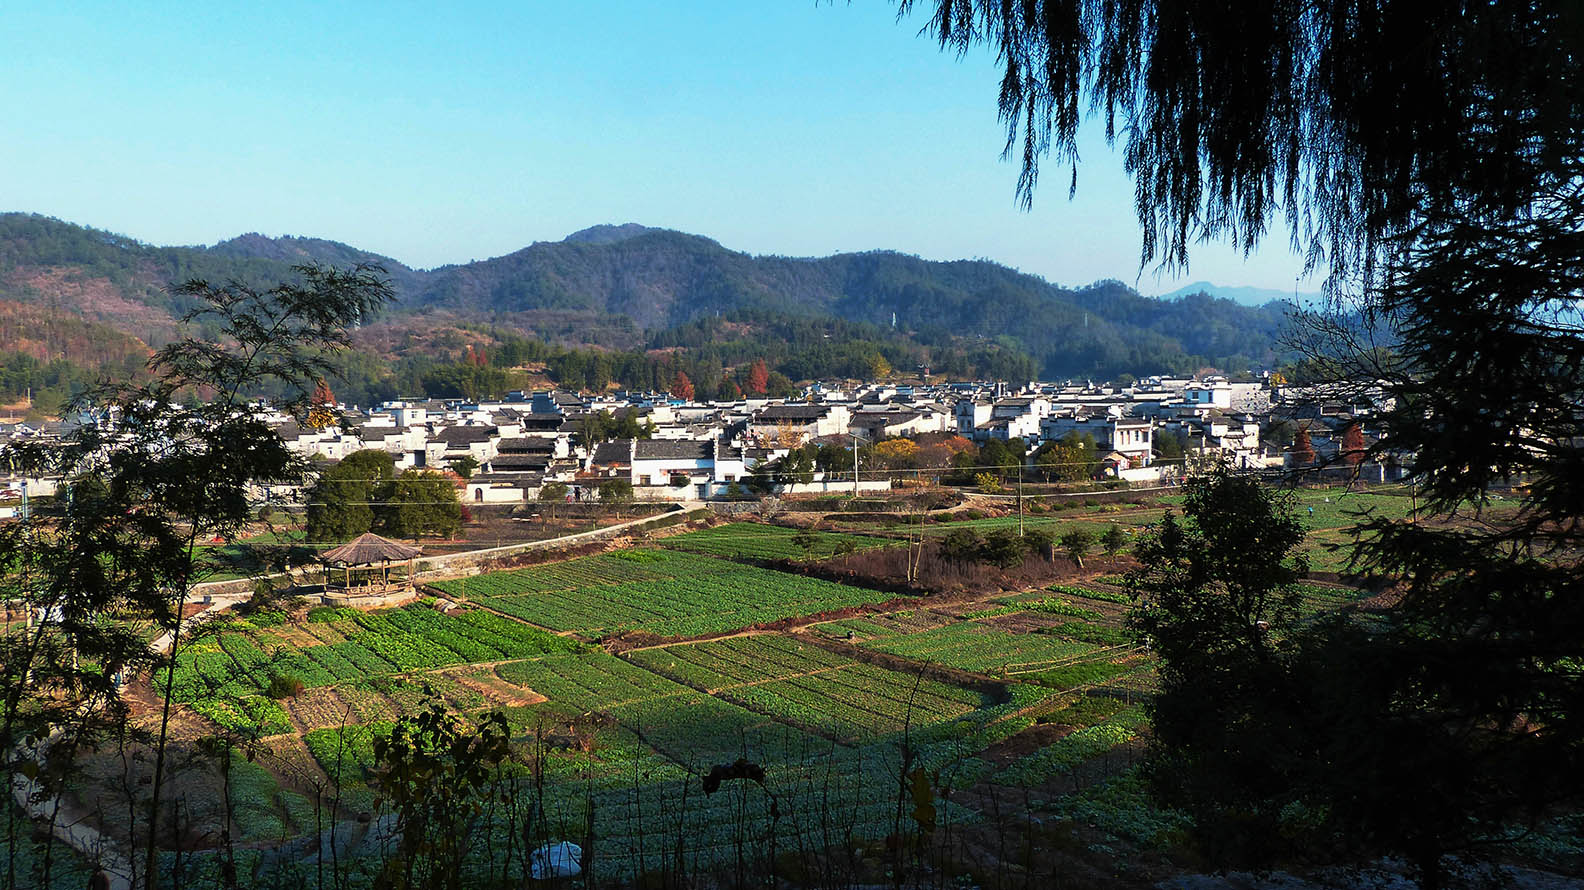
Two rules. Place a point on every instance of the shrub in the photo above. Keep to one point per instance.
(1113, 540)
(1076, 542)
(1005, 548)
(962, 545)
(1040, 541)
(283, 686)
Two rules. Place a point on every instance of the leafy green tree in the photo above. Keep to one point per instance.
(437, 776)
(762, 480)
(806, 541)
(344, 501)
(833, 459)
(616, 492)
(464, 466)
(1042, 542)
(963, 546)
(1072, 458)
(998, 458)
(603, 426)
(1217, 599)
(796, 468)
(779, 386)
(161, 474)
(1076, 543)
(1171, 445)
(551, 494)
(421, 502)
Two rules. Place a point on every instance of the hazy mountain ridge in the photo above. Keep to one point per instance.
(1243, 295)
(660, 279)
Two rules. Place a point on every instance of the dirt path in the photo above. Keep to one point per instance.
(295, 765)
(475, 604)
(750, 632)
(500, 693)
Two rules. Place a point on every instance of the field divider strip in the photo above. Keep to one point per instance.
(1087, 657)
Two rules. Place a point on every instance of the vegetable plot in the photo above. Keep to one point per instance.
(695, 595)
(225, 677)
(811, 687)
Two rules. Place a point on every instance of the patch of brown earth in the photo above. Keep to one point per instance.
(317, 708)
(1009, 751)
(498, 692)
(97, 298)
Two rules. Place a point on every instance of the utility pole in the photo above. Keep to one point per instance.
(855, 467)
(1020, 500)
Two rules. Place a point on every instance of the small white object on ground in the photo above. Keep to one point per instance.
(560, 860)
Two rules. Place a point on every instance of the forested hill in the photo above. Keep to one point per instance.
(661, 279)
(633, 287)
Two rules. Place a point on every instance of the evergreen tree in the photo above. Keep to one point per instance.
(682, 387)
(1076, 543)
(1113, 540)
(1352, 444)
(758, 378)
(1303, 453)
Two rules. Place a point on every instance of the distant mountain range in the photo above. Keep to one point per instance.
(1247, 296)
(626, 286)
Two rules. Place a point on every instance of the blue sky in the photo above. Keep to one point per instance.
(441, 133)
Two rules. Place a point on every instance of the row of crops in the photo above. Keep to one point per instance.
(230, 675)
(980, 647)
(1071, 751)
(807, 686)
(754, 540)
(621, 741)
(662, 592)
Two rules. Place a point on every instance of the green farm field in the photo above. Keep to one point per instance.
(625, 737)
(755, 540)
(811, 687)
(226, 674)
(663, 592)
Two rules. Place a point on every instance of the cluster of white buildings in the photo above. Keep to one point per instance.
(509, 450)
(708, 450)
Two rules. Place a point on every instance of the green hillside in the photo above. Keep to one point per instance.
(635, 289)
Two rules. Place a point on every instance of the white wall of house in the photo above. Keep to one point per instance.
(1215, 395)
(647, 471)
(492, 493)
(1131, 437)
(1144, 474)
(969, 413)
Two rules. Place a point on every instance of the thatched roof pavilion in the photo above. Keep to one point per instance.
(367, 550)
